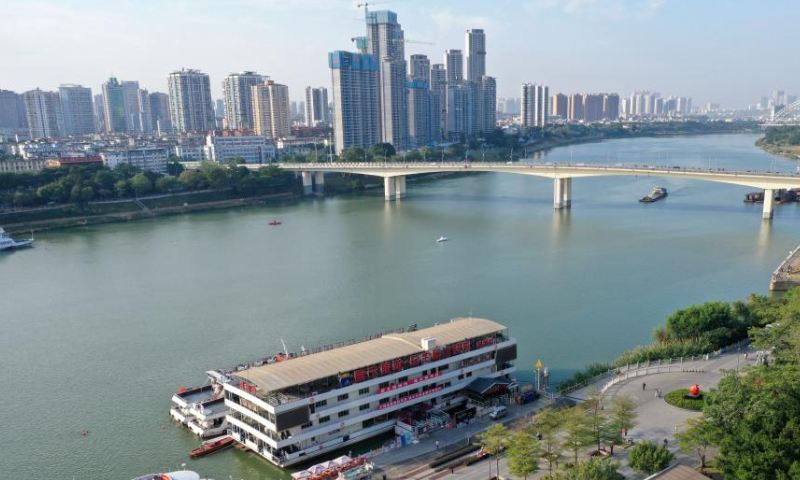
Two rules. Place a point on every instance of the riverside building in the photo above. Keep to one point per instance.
(304, 406)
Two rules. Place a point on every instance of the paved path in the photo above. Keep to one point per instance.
(657, 420)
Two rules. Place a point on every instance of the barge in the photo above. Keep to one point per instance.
(657, 194)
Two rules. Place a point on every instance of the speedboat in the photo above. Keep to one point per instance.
(181, 475)
(211, 446)
(441, 239)
(8, 243)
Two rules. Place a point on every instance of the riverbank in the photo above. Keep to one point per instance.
(130, 210)
(783, 141)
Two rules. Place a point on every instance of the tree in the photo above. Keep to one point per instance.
(456, 151)
(413, 156)
(354, 155)
(141, 184)
(697, 438)
(549, 423)
(168, 183)
(577, 430)
(53, 192)
(594, 469)
(494, 440)
(523, 454)
(598, 422)
(429, 153)
(193, 180)
(382, 150)
(649, 458)
(122, 188)
(623, 415)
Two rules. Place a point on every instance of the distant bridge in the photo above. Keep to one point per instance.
(394, 175)
(788, 115)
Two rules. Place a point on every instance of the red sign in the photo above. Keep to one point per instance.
(409, 398)
(395, 386)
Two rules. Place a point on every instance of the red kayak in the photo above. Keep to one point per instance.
(274, 223)
(211, 447)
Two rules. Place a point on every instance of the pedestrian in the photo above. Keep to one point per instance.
(625, 432)
(644, 385)
(437, 444)
(656, 393)
(452, 470)
(665, 443)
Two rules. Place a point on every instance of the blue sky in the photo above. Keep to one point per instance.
(731, 52)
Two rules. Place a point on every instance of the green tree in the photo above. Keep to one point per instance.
(429, 153)
(215, 175)
(193, 180)
(456, 151)
(354, 155)
(494, 440)
(122, 188)
(549, 424)
(697, 438)
(523, 454)
(168, 183)
(53, 192)
(649, 458)
(599, 423)
(577, 430)
(413, 156)
(623, 415)
(141, 184)
(593, 469)
(381, 151)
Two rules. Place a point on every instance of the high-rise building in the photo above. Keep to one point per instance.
(144, 119)
(12, 111)
(191, 105)
(439, 89)
(592, 107)
(611, 106)
(356, 96)
(434, 117)
(454, 66)
(560, 105)
(76, 107)
(114, 109)
(271, 116)
(317, 107)
(99, 113)
(419, 117)
(238, 91)
(475, 47)
(159, 112)
(131, 89)
(460, 102)
(487, 106)
(575, 107)
(420, 68)
(43, 110)
(386, 43)
(534, 105)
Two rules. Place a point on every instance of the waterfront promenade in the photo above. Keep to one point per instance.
(656, 421)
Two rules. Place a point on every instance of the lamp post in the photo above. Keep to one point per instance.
(538, 371)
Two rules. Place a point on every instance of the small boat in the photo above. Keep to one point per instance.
(181, 475)
(274, 223)
(211, 446)
(441, 239)
(657, 194)
(8, 243)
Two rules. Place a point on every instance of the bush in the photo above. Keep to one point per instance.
(678, 399)
(591, 371)
(649, 458)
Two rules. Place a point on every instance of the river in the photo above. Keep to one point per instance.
(99, 326)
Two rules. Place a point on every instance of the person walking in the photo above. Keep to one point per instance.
(437, 444)
(644, 385)
(665, 443)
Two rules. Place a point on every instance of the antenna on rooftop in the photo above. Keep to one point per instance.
(285, 350)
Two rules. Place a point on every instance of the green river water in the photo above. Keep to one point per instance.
(99, 326)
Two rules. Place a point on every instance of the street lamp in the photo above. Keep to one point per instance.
(538, 370)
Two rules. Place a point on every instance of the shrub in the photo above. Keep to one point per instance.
(678, 399)
(649, 458)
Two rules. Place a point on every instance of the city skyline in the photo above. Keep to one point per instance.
(678, 48)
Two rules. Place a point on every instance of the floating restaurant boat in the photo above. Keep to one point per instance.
(8, 243)
(657, 194)
(211, 446)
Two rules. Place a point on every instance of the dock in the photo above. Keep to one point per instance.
(787, 275)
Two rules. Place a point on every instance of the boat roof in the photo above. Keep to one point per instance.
(297, 371)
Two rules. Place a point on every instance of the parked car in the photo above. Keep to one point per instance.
(498, 413)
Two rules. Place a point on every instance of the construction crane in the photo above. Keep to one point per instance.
(365, 5)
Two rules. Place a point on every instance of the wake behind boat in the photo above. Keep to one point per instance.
(8, 243)
(442, 239)
(181, 475)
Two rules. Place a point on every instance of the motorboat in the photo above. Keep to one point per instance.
(180, 475)
(8, 243)
(441, 239)
(211, 446)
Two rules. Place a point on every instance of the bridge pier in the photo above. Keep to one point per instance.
(308, 184)
(769, 203)
(562, 193)
(400, 187)
(389, 188)
(319, 182)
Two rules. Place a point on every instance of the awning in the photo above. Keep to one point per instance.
(484, 385)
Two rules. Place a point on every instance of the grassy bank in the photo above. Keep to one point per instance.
(783, 141)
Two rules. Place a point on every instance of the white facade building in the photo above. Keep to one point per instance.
(475, 43)
(191, 106)
(151, 159)
(250, 148)
(238, 91)
(271, 115)
(535, 105)
(317, 107)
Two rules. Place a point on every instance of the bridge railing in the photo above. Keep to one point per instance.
(539, 165)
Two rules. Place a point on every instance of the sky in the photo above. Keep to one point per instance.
(731, 52)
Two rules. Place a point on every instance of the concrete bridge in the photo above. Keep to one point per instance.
(394, 175)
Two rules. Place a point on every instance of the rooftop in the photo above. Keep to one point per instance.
(297, 371)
